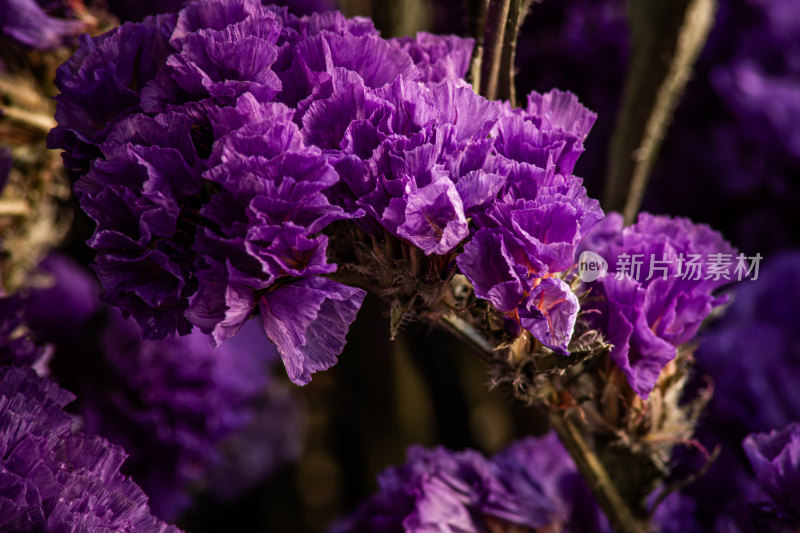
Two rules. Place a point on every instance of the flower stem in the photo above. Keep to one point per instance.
(589, 465)
(493, 39)
(593, 471)
(518, 10)
(667, 38)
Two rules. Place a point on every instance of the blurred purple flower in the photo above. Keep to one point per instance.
(26, 22)
(775, 458)
(533, 484)
(55, 480)
(751, 355)
(189, 416)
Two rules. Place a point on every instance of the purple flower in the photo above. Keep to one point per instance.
(308, 321)
(775, 458)
(135, 10)
(204, 191)
(189, 416)
(434, 218)
(490, 266)
(660, 287)
(531, 484)
(215, 163)
(56, 480)
(26, 22)
(101, 83)
(438, 57)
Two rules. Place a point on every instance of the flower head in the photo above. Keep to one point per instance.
(661, 290)
(226, 140)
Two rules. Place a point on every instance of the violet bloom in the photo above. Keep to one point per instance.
(54, 480)
(136, 10)
(527, 237)
(775, 458)
(208, 202)
(228, 139)
(191, 417)
(26, 22)
(660, 286)
(531, 484)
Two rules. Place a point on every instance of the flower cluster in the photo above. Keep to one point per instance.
(187, 414)
(56, 480)
(135, 10)
(646, 318)
(213, 149)
(531, 484)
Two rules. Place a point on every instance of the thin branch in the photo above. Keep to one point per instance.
(595, 475)
(493, 40)
(590, 467)
(667, 38)
(518, 11)
(462, 329)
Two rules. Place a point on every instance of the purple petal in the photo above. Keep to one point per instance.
(308, 320)
(434, 218)
(487, 263)
(549, 313)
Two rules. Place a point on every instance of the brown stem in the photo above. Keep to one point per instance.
(493, 40)
(667, 38)
(517, 12)
(595, 474)
(590, 467)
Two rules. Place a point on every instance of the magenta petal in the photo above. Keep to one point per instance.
(434, 218)
(638, 352)
(308, 321)
(549, 313)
